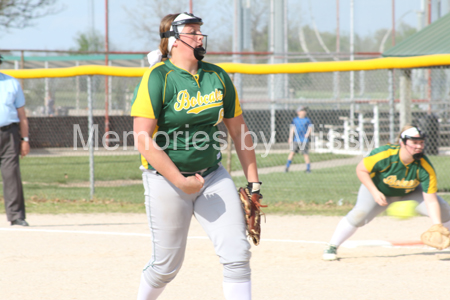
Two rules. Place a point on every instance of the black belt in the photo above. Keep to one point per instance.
(202, 173)
(4, 128)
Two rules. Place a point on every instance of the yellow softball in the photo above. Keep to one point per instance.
(402, 209)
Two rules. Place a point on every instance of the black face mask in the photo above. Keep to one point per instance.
(199, 52)
(418, 156)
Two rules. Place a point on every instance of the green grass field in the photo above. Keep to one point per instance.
(65, 170)
(61, 185)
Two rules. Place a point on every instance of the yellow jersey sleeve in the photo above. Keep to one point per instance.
(148, 96)
(427, 177)
(231, 103)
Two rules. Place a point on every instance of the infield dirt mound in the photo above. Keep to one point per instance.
(100, 256)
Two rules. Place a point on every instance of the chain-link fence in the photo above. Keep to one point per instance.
(351, 113)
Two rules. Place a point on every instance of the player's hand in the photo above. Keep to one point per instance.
(192, 184)
(24, 149)
(289, 141)
(379, 198)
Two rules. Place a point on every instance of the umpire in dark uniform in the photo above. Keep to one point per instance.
(13, 142)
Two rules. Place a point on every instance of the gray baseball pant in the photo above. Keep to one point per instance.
(366, 208)
(10, 169)
(218, 210)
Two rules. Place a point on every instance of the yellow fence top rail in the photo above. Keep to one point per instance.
(255, 69)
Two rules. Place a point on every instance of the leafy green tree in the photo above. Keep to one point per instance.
(89, 41)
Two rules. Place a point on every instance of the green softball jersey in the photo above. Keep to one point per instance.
(393, 178)
(188, 109)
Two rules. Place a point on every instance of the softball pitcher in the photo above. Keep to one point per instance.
(176, 108)
(392, 173)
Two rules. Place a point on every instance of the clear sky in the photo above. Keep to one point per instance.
(57, 32)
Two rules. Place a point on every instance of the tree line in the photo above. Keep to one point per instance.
(144, 25)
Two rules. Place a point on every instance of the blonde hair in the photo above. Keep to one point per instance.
(406, 127)
(164, 26)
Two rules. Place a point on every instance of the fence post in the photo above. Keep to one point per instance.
(331, 140)
(272, 122)
(318, 140)
(336, 89)
(346, 135)
(405, 98)
(361, 131)
(91, 136)
(376, 124)
(77, 92)
(346, 132)
(46, 92)
(22, 66)
(391, 106)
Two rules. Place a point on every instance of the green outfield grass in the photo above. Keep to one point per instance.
(60, 185)
(76, 168)
(318, 187)
(277, 159)
(65, 170)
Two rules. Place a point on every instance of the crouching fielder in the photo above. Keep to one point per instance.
(393, 173)
(176, 108)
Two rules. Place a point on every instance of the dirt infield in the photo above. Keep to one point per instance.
(100, 256)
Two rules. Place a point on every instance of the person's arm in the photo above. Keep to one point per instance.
(433, 207)
(237, 128)
(364, 176)
(291, 133)
(23, 124)
(158, 159)
(428, 181)
(308, 132)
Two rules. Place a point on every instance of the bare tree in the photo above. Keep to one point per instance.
(260, 24)
(20, 13)
(217, 19)
(146, 16)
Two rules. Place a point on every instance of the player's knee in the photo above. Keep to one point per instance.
(157, 278)
(237, 271)
(161, 270)
(358, 217)
(235, 258)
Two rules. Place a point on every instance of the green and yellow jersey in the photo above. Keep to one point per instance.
(188, 109)
(393, 178)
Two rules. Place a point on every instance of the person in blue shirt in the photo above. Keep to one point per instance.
(299, 133)
(13, 142)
